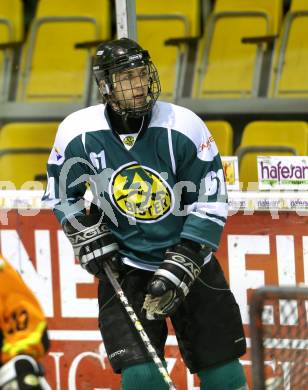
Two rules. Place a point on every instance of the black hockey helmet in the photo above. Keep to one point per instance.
(122, 55)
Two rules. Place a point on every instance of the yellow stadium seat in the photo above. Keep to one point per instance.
(160, 20)
(11, 20)
(227, 67)
(24, 150)
(11, 30)
(223, 135)
(52, 69)
(289, 76)
(270, 138)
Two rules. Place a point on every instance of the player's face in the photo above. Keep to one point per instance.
(131, 87)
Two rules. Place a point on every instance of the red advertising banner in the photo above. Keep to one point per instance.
(255, 250)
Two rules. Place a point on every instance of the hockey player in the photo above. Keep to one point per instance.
(23, 334)
(159, 188)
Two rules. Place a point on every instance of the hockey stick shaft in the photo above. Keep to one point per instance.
(138, 326)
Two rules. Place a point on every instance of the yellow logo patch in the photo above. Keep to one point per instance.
(141, 193)
(129, 140)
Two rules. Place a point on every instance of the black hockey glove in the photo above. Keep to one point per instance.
(173, 280)
(22, 373)
(93, 243)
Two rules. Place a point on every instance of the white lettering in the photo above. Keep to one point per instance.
(70, 275)
(286, 276)
(98, 160)
(191, 381)
(242, 279)
(57, 356)
(43, 267)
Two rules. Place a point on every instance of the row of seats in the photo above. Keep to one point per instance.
(269, 138)
(24, 151)
(51, 68)
(247, 49)
(265, 138)
(24, 147)
(231, 53)
(165, 20)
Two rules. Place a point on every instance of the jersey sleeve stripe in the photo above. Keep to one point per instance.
(219, 209)
(173, 164)
(205, 216)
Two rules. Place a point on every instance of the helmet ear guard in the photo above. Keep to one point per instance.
(104, 89)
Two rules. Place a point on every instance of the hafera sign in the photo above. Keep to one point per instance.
(283, 172)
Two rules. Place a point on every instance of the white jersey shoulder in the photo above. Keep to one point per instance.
(185, 121)
(79, 122)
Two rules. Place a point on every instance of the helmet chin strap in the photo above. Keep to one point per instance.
(126, 125)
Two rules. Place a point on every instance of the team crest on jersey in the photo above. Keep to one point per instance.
(129, 140)
(141, 193)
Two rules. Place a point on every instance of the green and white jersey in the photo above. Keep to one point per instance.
(168, 184)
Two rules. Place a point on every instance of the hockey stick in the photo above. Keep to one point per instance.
(138, 326)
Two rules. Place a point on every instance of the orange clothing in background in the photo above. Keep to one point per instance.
(23, 327)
